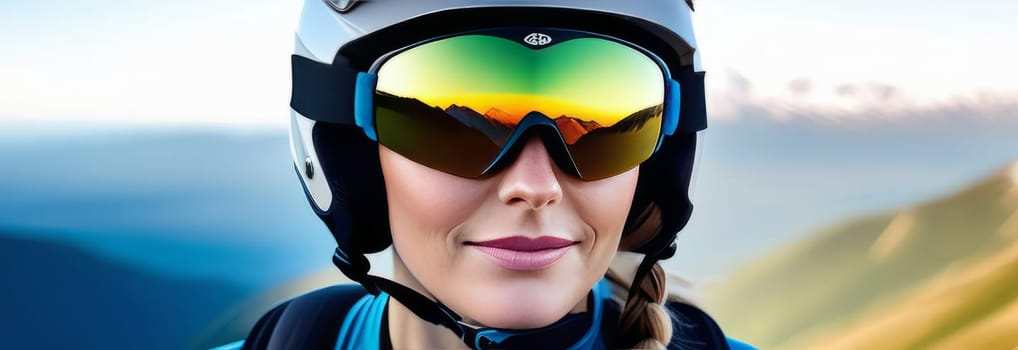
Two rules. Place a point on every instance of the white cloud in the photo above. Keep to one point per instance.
(870, 55)
(735, 97)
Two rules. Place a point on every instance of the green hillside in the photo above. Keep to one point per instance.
(843, 280)
(969, 307)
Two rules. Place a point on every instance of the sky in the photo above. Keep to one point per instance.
(141, 61)
(226, 61)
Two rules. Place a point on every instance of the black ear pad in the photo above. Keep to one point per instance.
(664, 182)
(359, 215)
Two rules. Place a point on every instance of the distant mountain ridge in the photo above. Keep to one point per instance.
(850, 286)
(497, 124)
(637, 119)
(490, 127)
(502, 117)
(571, 129)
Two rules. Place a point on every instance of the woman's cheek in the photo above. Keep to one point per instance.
(604, 204)
(424, 199)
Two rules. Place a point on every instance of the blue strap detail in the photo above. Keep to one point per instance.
(495, 336)
(673, 103)
(592, 340)
(231, 346)
(362, 326)
(344, 341)
(341, 255)
(364, 105)
(373, 330)
(735, 344)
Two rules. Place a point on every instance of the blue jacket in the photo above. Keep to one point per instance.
(347, 317)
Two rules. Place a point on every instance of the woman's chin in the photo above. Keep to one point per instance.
(519, 308)
(518, 318)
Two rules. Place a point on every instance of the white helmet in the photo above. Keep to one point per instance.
(338, 165)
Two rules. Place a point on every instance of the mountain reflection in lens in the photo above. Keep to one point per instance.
(452, 104)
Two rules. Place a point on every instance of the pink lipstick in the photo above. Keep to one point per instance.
(524, 254)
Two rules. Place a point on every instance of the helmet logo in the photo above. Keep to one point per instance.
(537, 39)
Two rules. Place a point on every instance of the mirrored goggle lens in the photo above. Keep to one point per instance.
(452, 104)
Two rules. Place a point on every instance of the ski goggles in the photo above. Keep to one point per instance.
(461, 103)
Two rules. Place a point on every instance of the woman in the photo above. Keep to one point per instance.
(507, 150)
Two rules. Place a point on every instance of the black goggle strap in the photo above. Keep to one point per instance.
(693, 109)
(326, 92)
(323, 92)
(356, 268)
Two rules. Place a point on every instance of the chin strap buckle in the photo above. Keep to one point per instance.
(482, 338)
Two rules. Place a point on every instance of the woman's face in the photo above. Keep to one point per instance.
(519, 249)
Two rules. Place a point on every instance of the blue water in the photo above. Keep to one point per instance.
(221, 203)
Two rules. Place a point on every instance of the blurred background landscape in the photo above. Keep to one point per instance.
(846, 198)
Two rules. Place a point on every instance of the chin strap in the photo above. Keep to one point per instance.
(428, 310)
(356, 268)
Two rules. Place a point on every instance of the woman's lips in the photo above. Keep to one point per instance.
(524, 254)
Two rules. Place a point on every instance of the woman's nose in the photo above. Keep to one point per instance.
(531, 179)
